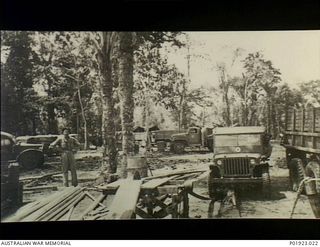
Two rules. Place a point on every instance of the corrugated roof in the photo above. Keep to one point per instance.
(239, 130)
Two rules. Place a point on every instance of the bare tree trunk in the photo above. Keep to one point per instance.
(83, 118)
(268, 117)
(126, 96)
(107, 84)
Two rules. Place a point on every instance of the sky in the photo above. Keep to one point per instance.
(295, 53)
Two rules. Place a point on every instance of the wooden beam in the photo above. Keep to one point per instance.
(183, 172)
(40, 188)
(124, 203)
(93, 199)
(154, 183)
(93, 205)
(297, 133)
(39, 177)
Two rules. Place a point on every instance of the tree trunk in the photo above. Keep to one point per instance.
(108, 126)
(126, 96)
(52, 122)
(83, 118)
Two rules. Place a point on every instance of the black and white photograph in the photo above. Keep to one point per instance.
(115, 125)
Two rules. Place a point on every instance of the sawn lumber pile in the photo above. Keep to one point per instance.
(61, 205)
(55, 207)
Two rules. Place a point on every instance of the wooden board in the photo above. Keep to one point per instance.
(154, 183)
(113, 185)
(181, 172)
(125, 200)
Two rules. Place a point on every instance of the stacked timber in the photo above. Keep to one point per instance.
(51, 208)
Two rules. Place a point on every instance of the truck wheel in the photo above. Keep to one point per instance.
(178, 147)
(296, 173)
(313, 171)
(161, 145)
(30, 159)
(266, 184)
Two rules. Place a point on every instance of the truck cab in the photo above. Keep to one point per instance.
(194, 137)
(240, 156)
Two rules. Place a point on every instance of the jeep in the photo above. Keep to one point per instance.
(240, 156)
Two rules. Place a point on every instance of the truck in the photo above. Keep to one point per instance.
(44, 140)
(28, 155)
(162, 138)
(301, 139)
(15, 156)
(194, 137)
(240, 157)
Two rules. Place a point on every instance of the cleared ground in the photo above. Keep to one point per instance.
(251, 204)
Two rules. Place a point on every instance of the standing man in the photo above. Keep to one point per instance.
(68, 145)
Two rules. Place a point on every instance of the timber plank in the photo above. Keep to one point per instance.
(182, 172)
(124, 203)
(154, 183)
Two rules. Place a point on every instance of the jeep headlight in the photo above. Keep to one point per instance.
(252, 161)
(219, 162)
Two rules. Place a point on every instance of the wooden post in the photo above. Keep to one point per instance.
(185, 205)
(293, 126)
(175, 212)
(313, 122)
(302, 126)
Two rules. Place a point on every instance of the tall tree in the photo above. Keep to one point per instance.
(311, 91)
(106, 46)
(126, 87)
(19, 102)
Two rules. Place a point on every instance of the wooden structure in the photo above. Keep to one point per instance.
(150, 197)
(302, 129)
(157, 197)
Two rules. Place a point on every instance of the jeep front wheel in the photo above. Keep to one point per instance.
(266, 184)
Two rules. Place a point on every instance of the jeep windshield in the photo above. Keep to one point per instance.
(237, 140)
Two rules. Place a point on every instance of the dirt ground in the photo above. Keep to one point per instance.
(251, 205)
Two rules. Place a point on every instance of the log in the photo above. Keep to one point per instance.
(124, 203)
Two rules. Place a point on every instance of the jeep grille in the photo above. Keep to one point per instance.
(236, 167)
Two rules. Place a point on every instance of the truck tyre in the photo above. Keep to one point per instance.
(161, 145)
(313, 171)
(178, 147)
(30, 159)
(266, 184)
(296, 173)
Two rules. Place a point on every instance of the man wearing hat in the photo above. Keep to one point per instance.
(68, 146)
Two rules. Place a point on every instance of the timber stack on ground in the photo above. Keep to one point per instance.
(151, 197)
